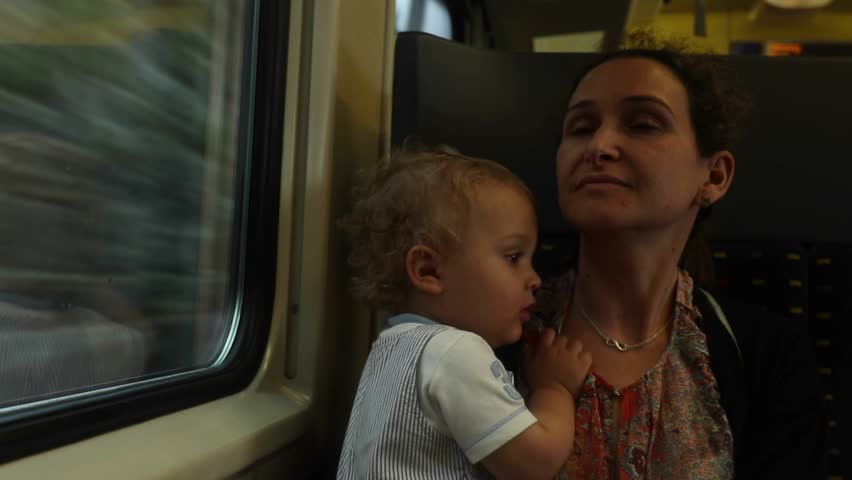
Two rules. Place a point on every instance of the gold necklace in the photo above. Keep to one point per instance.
(613, 343)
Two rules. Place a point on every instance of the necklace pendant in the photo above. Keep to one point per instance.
(615, 344)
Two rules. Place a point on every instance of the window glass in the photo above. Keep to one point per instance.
(430, 16)
(121, 188)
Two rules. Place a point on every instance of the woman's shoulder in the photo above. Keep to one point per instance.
(770, 346)
(751, 322)
(778, 363)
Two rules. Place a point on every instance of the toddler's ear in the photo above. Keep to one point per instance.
(423, 266)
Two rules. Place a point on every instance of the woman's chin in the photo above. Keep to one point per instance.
(591, 219)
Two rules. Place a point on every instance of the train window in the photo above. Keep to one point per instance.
(430, 16)
(123, 176)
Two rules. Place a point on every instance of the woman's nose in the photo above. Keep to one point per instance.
(603, 145)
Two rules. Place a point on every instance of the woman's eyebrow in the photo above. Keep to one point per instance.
(647, 99)
(581, 104)
(584, 104)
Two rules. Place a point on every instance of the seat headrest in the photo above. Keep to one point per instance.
(794, 160)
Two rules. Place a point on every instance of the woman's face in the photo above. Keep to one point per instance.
(628, 157)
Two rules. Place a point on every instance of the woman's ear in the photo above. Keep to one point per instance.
(423, 267)
(720, 166)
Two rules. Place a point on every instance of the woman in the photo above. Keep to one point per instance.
(672, 393)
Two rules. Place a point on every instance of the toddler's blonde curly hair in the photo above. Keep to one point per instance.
(415, 196)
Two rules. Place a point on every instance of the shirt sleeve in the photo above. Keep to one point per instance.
(469, 395)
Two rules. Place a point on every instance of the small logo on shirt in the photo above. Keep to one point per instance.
(508, 380)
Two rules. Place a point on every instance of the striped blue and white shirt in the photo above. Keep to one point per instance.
(433, 401)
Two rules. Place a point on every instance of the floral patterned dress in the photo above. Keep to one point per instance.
(670, 424)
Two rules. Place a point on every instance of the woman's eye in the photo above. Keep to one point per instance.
(644, 126)
(513, 257)
(580, 130)
(578, 126)
(643, 123)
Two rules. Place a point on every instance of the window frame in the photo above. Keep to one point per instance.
(67, 422)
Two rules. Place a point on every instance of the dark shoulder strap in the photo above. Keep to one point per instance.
(726, 361)
(722, 318)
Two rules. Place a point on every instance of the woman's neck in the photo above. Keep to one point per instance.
(626, 284)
